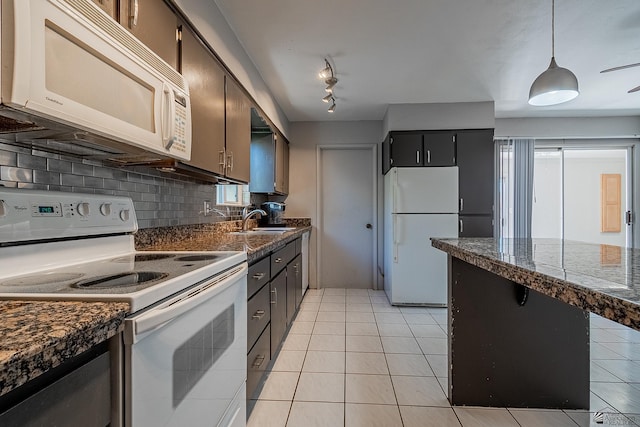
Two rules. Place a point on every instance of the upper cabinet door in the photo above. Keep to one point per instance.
(238, 125)
(475, 161)
(154, 24)
(439, 148)
(206, 87)
(109, 6)
(405, 149)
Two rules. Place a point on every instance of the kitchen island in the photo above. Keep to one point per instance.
(519, 317)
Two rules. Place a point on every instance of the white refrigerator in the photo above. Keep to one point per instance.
(419, 203)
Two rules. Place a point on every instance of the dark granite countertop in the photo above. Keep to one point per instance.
(40, 335)
(218, 237)
(602, 279)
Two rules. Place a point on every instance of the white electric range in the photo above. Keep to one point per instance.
(183, 349)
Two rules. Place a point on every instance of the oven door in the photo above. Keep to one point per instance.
(185, 359)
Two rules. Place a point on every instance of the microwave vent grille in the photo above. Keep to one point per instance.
(100, 19)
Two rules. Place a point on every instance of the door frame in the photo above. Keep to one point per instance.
(373, 148)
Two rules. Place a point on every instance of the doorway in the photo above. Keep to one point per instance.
(347, 200)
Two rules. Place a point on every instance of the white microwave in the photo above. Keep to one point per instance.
(66, 62)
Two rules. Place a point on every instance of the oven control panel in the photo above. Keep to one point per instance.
(27, 215)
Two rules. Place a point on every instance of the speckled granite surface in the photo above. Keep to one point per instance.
(602, 279)
(217, 237)
(40, 335)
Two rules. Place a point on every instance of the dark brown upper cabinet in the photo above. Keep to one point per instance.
(238, 132)
(205, 77)
(154, 24)
(418, 148)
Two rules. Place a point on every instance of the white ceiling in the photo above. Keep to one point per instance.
(433, 51)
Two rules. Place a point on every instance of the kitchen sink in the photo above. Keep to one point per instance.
(264, 231)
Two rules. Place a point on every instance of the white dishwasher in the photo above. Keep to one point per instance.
(305, 261)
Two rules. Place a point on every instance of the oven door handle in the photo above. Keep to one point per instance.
(173, 308)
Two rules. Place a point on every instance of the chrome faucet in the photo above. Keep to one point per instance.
(246, 217)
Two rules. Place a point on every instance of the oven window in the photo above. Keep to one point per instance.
(196, 356)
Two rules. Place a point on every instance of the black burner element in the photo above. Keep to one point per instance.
(120, 280)
(42, 279)
(145, 257)
(197, 257)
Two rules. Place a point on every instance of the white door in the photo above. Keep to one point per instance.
(346, 244)
(425, 190)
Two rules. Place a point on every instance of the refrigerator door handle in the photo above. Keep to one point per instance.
(395, 239)
(396, 190)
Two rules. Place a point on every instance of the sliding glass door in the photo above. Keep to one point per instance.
(582, 194)
(579, 193)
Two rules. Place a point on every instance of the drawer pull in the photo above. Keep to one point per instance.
(258, 361)
(258, 276)
(278, 260)
(259, 314)
(275, 293)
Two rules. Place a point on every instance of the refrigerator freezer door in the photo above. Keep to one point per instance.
(425, 190)
(419, 271)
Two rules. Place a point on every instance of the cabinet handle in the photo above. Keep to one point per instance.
(418, 157)
(230, 159)
(221, 160)
(258, 276)
(257, 362)
(461, 226)
(461, 204)
(278, 260)
(428, 156)
(275, 293)
(259, 314)
(133, 13)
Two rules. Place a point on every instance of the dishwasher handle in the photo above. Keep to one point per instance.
(175, 307)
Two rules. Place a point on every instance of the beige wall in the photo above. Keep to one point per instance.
(305, 137)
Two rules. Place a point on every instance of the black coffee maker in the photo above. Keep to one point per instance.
(275, 215)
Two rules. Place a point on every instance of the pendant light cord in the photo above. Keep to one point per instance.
(553, 28)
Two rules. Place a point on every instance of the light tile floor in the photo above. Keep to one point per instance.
(352, 359)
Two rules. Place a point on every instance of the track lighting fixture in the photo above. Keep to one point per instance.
(330, 80)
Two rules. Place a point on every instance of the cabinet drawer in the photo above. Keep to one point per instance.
(258, 315)
(258, 275)
(281, 258)
(257, 361)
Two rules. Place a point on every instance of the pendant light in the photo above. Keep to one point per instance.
(556, 85)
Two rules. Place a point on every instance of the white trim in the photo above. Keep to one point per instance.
(374, 208)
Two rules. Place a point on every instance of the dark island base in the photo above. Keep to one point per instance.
(504, 354)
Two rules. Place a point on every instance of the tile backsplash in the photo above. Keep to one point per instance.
(160, 199)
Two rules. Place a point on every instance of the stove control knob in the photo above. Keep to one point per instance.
(105, 209)
(83, 209)
(124, 215)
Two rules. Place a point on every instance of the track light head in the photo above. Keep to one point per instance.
(327, 98)
(327, 72)
(333, 106)
(331, 82)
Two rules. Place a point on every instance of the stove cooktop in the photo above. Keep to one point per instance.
(140, 278)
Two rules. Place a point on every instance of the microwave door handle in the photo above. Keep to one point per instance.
(168, 116)
(156, 317)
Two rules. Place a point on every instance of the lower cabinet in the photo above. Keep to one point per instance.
(278, 310)
(275, 294)
(257, 360)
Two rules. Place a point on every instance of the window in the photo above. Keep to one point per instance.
(232, 195)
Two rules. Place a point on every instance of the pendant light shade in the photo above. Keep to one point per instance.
(555, 86)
